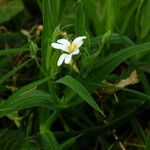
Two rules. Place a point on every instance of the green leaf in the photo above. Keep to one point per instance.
(13, 51)
(80, 90)
(13, 138)
(126, 20)
(68, 143)
(112, 9)
(114, 39)
(10, 9)
(138, 129)
(138, 17)
(62, 5)
(109, 63)
(147, 146)
(49, 24)
(113, 124)
(80, 19)
(49, 141)
(33, 47)
(90, 10)
(88, 61)
(28, 88)
(145, 25)
(105, 37)
(29, 99)
(11, 73)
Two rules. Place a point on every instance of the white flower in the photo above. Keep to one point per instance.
(69, 48)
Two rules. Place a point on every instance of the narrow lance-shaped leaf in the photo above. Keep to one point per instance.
(138, 17)
(28, 88)
(27, 100)
(80, 19)
(138, 129)
(80, 90)
(62, 5)
(112, 10)
(109, 63)
(145, 25)
(114, 38)
(49, 23)
(88, 5)
(13, 51)
(49, 141)
(68, 143)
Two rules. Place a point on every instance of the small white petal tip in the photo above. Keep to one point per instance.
(61, 59)
(58, 46)
(84, 37)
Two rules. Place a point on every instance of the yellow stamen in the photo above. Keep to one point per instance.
(72, 48)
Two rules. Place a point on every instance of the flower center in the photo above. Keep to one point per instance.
(72, 48)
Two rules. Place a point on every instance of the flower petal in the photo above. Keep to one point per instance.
(61, 59)
(58, 46)
(79, 40)
(68, 59)
(64, 42)
(76, 52)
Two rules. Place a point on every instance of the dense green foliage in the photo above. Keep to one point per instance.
(102, 101)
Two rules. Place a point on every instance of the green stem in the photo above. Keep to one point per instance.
(39, 66)
(52, 118)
